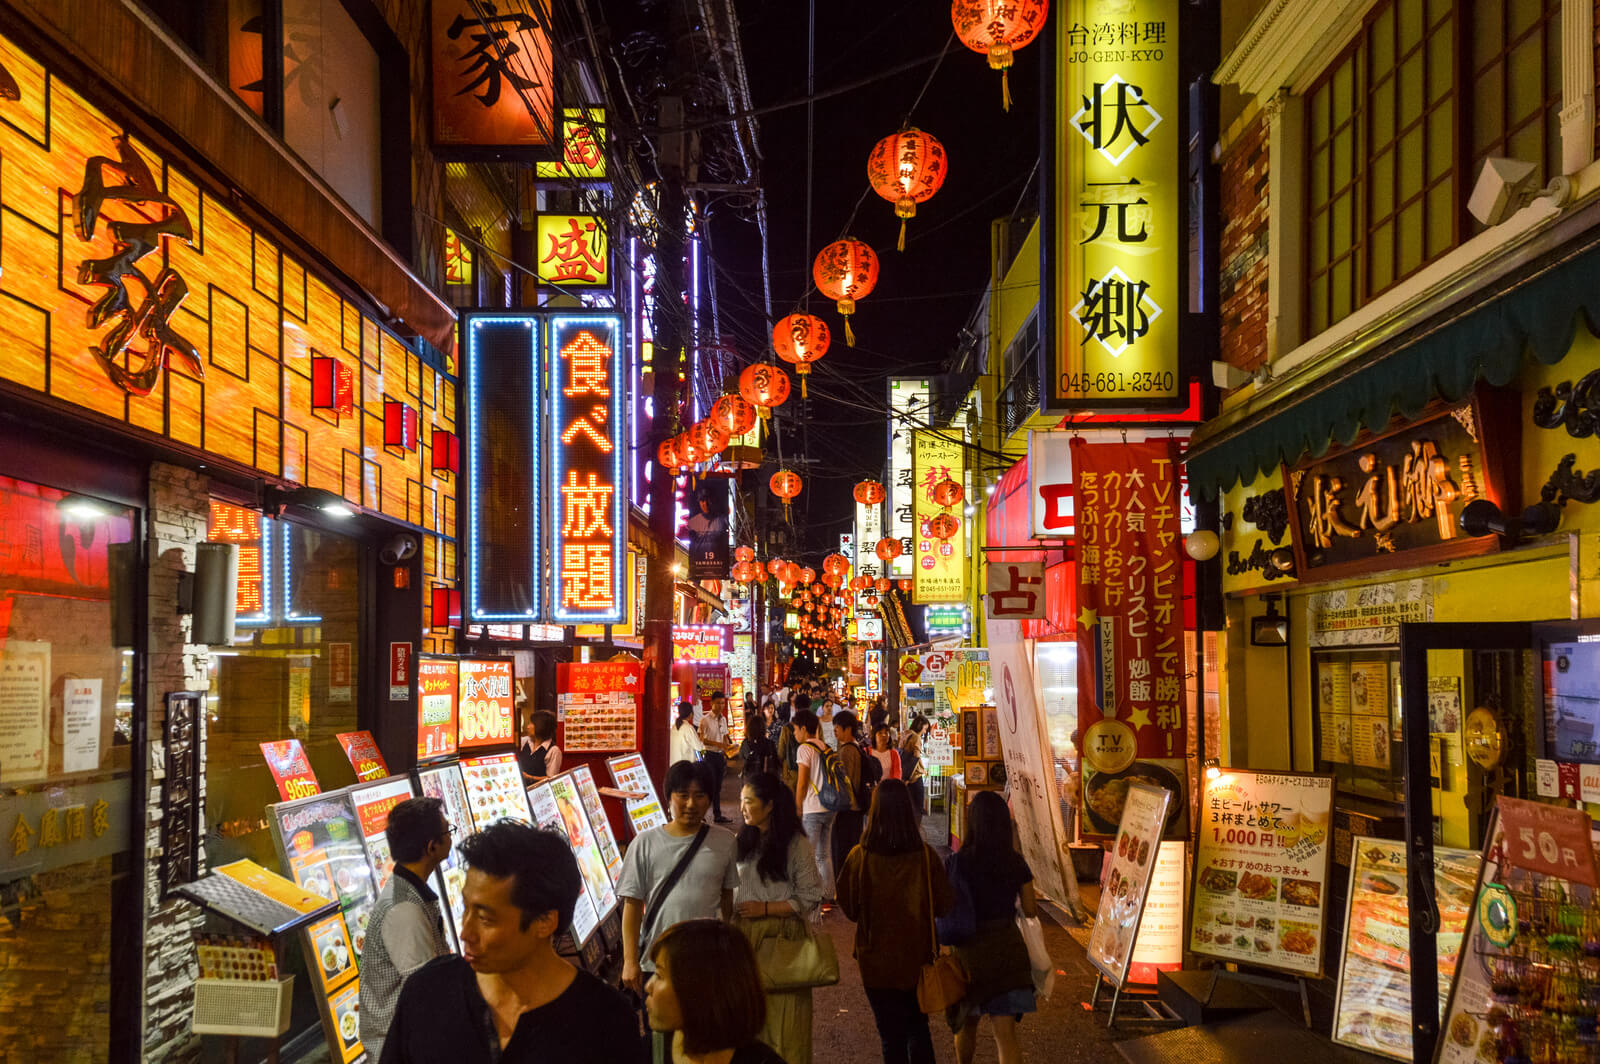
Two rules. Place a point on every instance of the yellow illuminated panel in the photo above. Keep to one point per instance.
(457, 259)
(939, 565)
(1116, 243)
(583, 138)
(572, 251)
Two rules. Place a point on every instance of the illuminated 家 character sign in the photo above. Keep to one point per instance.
(586, 496)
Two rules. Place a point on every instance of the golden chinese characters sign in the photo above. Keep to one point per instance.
(1255, 525)
(1113, 245)
(493, 79)
(938, 455)
(573, 251)
(587, 494)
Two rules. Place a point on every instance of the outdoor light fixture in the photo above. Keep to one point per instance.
(1271, 629)
(1282, 560)
(1202, 545)
(274, 500)
(1213, 768)
(1481, 517)
(81, 508)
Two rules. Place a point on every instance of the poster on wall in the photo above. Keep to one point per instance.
(629, 775)
(24, 703)
(1369, 713)
(1333, 710)
(598, 704)
(437, 684)
(547, 815)
(1372, 1003)
(1262, 860)
(486, 708)
(445, 784)
(1129, 627)
(494, 789)
(80, 741)
(373, 802)
(1127, 881)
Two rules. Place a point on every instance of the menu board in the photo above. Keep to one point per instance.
(344, 1004)
(1159, 945)
(444, 783)
(628, 774)
(373, 802)
(1262, 862)
(599, 821)
(334, 953)
(1372, 1007)
(1127, 881)
(598, 703)
(291, 769)
(363, 754)
(585, 844)
(494, 789)
(1333, 710)
(436, 707)
(1369, 713)
(486, 707)
(547, 815)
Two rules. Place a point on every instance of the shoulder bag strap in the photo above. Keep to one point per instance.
(653, 908)
(927, 875)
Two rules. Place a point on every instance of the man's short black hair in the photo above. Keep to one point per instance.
(848, 721)
(806, 719)
(802, 702)
(413, 824)
(683, 774)
(540, 864)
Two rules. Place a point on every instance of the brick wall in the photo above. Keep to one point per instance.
(179, 510)
(1243, 272)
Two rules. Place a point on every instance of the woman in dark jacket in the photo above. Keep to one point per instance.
(1000, 982)
(892, 886)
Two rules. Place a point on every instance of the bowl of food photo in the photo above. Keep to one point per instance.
(1106, 793)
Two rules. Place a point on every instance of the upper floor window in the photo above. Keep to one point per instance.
(1398, 126)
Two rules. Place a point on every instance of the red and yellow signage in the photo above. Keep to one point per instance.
(587, 495)
(488, 702)
(493, 79)
(364, 756)
(436, 707)
(457, 259)
(573, 251)
(1112, 245)
(702, 644)
(235, 524)
(291, 769)
(583, 139)
(940, 565)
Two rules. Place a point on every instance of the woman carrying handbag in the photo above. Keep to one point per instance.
(892, 886)
(775, 901)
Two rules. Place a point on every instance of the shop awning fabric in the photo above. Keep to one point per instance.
(1443, 357)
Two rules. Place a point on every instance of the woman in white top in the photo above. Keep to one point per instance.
(686, 742)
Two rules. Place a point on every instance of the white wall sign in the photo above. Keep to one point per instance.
(908, 409)
(81, 731)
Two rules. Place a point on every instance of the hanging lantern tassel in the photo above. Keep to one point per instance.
(805, 372)
(905, 208)
(1005, 89)
(847, 307)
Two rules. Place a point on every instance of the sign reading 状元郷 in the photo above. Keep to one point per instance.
(588, 519)
(1112, 243)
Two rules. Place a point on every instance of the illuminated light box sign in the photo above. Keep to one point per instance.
(505, 397)
(573, 251)
(487, 707)
(493, 77)
(940, 572)
(908, 406)
(583, 138)
(1112, 243)
(587, 494)
(702, 644)
(236, 524)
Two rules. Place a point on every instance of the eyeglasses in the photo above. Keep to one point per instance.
(449, 828)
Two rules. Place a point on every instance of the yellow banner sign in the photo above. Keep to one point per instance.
(573, 251)
(940, 562)
(583, 138)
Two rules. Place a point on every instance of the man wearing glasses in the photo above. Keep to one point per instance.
(406, 927)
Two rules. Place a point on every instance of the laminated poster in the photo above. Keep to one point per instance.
(373, 802)
(1262, 861)
(585, 845)
(494, 790)
(1333, 711)
(436, 708)
(547, 815)
(1127, 882)
(629, 774)
(599, 821)
(444, 783)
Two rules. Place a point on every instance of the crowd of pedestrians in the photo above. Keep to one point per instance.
(722, 943)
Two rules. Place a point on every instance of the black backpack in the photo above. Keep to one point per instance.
(871, 775)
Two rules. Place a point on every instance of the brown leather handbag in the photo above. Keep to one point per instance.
(943, 981)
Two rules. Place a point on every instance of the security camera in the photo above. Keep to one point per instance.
(1504, 185)
(399, 548)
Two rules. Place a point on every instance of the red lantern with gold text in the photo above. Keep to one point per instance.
(845, 271)
(906, 168)
(889, 548)
(904, 583)
(808, 576)
(801, 339)
(947, 493)
(943, 526)
(764, 386)
(744, 554)
(835, 563)
(708, 438)
(733, 414)
(883, 584)
(667, 456)
(997, 28)
(869, 493)
(689, 450)
(785, 484)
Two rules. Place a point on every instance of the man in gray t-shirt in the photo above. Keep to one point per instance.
(704, 890)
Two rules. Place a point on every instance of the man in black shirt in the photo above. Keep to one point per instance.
(510, 998)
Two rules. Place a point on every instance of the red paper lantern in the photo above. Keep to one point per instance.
(997, 28)
(835, 563)
(689, 451)
(733, 414)
(808, 576)
(883, 584)
(801, 339)
(845, 271)
(889, 549)
(947, 493)
(869, 493)
(943, 526)
(775, 566)
(872, 600)
(744, 554)
(765, 386)
(708, 438)
(906, 168)
(667, 456)
(904, 583)
(785, 484)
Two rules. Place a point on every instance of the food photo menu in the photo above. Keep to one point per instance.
(598, 820)
(444, 783)
(373, 802)
(494, 790)
(585, 846)
(629, 774)
(1133, 861)
(547, 815)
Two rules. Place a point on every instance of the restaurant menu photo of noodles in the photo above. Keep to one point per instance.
(1372, 1010)
(1262, 859)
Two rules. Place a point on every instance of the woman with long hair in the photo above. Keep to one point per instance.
(1000, 982)
(778, 892)
(716, 1018)
(911, 767)
(892, 885)
(686, 744)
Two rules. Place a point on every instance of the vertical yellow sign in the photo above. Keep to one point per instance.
(939, 564)
(1115, 246)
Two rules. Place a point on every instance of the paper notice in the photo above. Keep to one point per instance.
(24, 686)
(81, 733)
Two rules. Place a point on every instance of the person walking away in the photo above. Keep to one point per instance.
(817, 818)
(789, 744)
(685, 744)
(847, 824)
(911, 765)
(883, 749)
(509, 998)
(757, 751)
(682, 870)
(1000, 982)
(406, 927)
(718, 1017)
(778, 892)
(893, 886)
(537, 754)
(714, 736)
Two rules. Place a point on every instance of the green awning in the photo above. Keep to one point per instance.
(1444, 357)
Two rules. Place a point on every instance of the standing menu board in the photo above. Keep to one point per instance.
(1159, 944)
(436, 707)
(1127, 883)
(494, 789)
(1372, 1006)
(373, 802)
(585, 843)
(628, 774)
(1262, 862)
(444, 783)
(319, 839)
(599, 821)
(486, 708)
(598, 703)
(547, 815)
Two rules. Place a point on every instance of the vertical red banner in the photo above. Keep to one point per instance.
(1129, 625)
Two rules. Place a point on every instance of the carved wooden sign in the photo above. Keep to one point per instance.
(180, 791)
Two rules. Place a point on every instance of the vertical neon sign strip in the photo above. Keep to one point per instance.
(588, 525)
(504, 377)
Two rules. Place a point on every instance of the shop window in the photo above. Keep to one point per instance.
(1356, 693)
(66, 728)
(1398, 126)
(1056, 665)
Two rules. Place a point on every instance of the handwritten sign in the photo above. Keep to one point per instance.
(1548, 840)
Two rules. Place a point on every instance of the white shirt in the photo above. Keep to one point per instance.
(686, 744)
(809, 756)
(714, 732)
